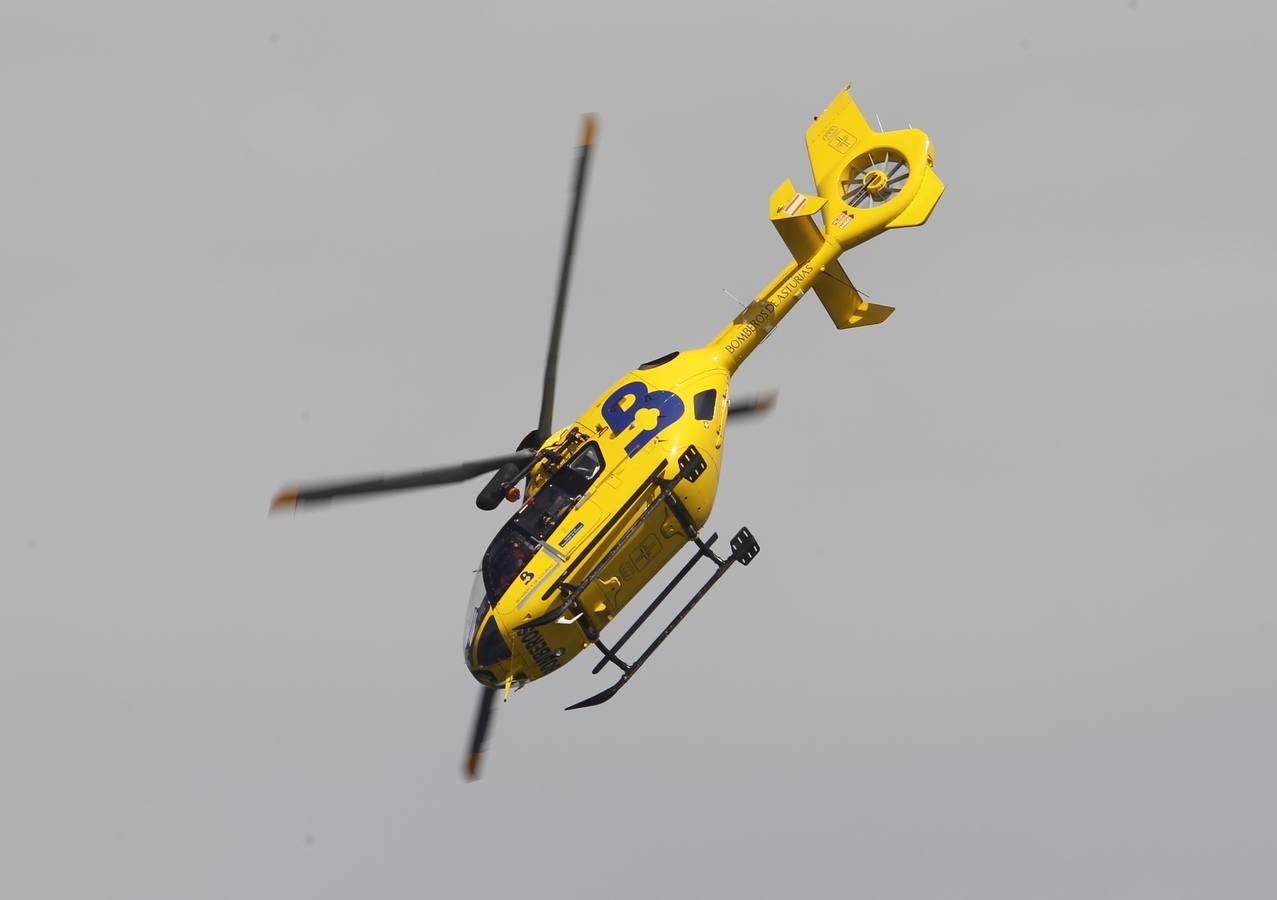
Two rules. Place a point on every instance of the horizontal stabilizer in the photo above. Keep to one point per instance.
(788, 203)
(791, 213)
(870, 314)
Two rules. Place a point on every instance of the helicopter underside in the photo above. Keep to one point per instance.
(642, 535)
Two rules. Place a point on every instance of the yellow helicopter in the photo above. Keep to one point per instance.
(610, 499)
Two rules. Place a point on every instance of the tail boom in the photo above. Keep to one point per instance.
(866, 182)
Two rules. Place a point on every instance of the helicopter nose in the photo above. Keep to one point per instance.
(497, 674)
(490, 649)
(492, 662)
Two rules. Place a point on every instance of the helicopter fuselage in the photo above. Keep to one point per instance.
(587, 531)
(613, 497)
(556, 575)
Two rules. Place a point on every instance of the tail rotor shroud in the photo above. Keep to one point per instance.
(874, 178)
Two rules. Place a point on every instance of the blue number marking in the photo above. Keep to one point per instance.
(668, 405)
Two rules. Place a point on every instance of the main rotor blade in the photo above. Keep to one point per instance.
(754, 405)
(479, 736)
(565, 272)
(297, 495)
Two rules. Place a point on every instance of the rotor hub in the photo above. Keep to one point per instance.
(874, 181)
(874, 178)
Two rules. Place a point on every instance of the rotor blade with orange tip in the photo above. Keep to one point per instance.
(544, 425)
(755, 405)
(479, 735)
(299, 495)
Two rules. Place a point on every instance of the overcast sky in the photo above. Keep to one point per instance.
(1011, 634)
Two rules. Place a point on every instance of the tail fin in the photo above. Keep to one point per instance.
(867, 182)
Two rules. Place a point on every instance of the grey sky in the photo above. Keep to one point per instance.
(1011, 632)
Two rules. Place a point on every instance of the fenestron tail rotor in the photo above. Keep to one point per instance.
(875, 178)
(545, 423)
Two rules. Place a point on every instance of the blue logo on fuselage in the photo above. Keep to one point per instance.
(669, 407)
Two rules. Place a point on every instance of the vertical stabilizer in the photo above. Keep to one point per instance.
(869, 180)
(866, 182)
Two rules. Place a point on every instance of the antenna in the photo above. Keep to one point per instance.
(734, 297)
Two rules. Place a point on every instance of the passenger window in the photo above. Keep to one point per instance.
(505, 558)
(515, 544)
(587, 463)
(703, 404)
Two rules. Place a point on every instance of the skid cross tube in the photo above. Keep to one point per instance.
(690, 463)
(610, 655)
(744, 549)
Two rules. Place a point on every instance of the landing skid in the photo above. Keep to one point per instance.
(744, 549)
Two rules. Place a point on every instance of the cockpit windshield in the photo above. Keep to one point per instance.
(475, 611)
(516, 543)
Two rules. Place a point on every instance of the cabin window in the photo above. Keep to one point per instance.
(553, 501)
(516, 543)
(506, 557)
(587, 464)
(703, 404)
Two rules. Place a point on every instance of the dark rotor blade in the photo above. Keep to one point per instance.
(293, 496)
(565, 272)
(755, 405)
(479, 736)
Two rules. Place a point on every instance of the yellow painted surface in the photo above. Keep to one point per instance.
(858, 196)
